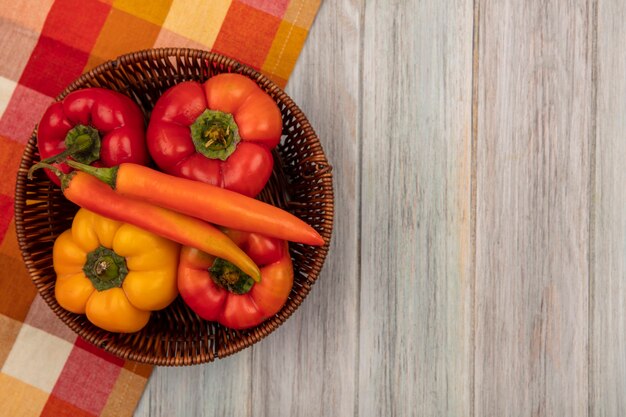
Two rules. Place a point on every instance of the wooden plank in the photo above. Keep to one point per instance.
(307, 367)
(532, 220)
(608, 269)
(416, 287)
(221, 388)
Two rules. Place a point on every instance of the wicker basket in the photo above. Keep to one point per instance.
(301, 183)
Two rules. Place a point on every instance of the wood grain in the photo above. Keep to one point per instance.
(478, 263)
(416, 299)
(608, 239)
(532, 219)
(222, 388)
(308, 367)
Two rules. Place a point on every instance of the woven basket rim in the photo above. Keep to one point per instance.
(255, 334)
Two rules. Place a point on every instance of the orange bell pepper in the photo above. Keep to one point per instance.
(114, 272)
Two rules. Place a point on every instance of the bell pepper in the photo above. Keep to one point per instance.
(218, 291)
(220, 132)
(113, 272)
(93, 126)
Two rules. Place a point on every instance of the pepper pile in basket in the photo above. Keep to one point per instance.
(122, 257)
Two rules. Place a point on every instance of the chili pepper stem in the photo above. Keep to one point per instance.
(65, 178)
(106, 175)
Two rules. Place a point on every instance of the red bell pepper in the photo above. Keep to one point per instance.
(218, 291)
(93, 126)
(220, 132)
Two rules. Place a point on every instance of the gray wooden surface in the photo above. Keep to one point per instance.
(478, 265)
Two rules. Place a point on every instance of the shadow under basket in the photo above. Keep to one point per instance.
(300, 183)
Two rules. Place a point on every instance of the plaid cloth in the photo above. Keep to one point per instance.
(45, 370)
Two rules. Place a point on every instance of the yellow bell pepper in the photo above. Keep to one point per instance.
(114, 272)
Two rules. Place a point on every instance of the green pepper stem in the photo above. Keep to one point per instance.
(215, 134)
(106, 175)
(105, 268)
(82, 143)
(43, 164)
(228, 276)
(65, 178)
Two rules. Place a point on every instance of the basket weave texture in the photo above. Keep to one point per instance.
(301, 183)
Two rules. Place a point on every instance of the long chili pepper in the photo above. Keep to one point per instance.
(204, 201)
(87, 191)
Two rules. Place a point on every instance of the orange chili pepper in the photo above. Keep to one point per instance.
(90, 193)
(204, 201)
